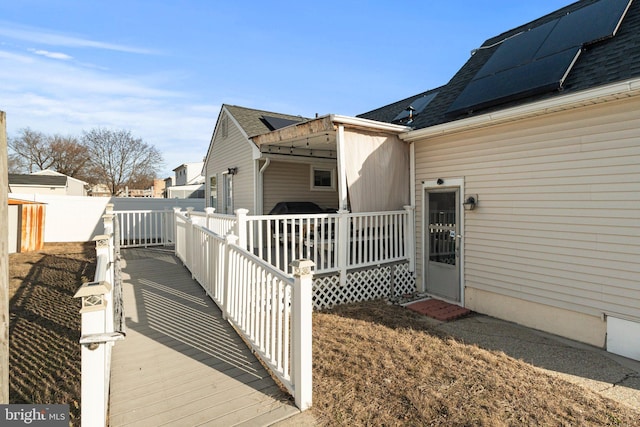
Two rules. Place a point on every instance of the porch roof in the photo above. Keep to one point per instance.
(318, 137)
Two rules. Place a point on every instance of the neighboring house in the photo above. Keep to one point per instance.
(258, 158)
(100, 190)
(188, 182)
(541, 128)
(47, 182)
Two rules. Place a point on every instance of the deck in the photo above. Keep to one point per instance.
(181, 363)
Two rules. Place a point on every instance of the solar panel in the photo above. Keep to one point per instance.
(517, 50)
(507, 74)
(277, 122)
(587, 25)
(543, 75)
(417, 106)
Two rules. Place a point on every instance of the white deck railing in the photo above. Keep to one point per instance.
(335, 242)
(145, 228)
(271, 309)
(102, 324)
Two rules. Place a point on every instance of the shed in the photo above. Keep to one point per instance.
(26, 225)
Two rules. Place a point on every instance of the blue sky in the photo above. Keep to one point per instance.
(162, 69)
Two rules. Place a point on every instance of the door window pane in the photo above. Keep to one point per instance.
(442, 227)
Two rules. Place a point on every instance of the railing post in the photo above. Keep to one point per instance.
(409, 237)
(176, 210)
(343, 244)
(95, 320)
(208, 213)
(225, 298)
(241, 227)
(166, 226)
(302, 365)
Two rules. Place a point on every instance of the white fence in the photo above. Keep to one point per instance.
(335, 242)
(145, 227)
(78, 219)
(268, 307)
(358, 256)
(102, 324)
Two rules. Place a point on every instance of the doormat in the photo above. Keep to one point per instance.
(439, 310)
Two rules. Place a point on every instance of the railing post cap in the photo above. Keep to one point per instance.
(302, 267)
(409, 207)
(100, 237)
(190, 208)
(209, 210)
(92, 288)
(343, 211)
(109, 207)
(242, 211)
(177, 209)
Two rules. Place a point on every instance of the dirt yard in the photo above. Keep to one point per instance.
(44, 353)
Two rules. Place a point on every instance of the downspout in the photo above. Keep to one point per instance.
(260, 192)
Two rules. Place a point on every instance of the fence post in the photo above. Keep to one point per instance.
(208, 213)
(343, 244)
(225, 298)
(302, 365)
(409, 237)
(95, 317)
(241, 227)
(176, 210)
(166, 226)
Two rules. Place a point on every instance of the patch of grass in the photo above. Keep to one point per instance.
(44, 352)
(377, 364)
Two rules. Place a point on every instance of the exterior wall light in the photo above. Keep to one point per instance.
(232, 171)
(470, 202)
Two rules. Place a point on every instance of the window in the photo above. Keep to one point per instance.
(323, 179)
(228, 193)
(213, 192)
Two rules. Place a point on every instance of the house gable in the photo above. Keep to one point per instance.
(231, 147)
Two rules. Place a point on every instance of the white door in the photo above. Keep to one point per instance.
(442, 242)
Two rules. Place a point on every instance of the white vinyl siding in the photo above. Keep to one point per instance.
(558, 217)
(233, 151)
(291, 182)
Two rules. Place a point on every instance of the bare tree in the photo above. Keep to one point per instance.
(31, 149)
(117, 159)
(69, 156)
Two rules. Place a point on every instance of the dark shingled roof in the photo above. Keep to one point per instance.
(609, 61)
(38, 180)
(252, 122)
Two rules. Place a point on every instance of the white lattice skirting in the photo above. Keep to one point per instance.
(363, 285)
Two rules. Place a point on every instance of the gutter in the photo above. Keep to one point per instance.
(368, 124)
(598, 95)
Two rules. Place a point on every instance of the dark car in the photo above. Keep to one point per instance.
(285, 208)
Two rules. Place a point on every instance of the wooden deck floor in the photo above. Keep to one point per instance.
(181, 363)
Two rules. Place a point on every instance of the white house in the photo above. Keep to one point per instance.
(188, 182)
(527, 176)
(47, 182)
